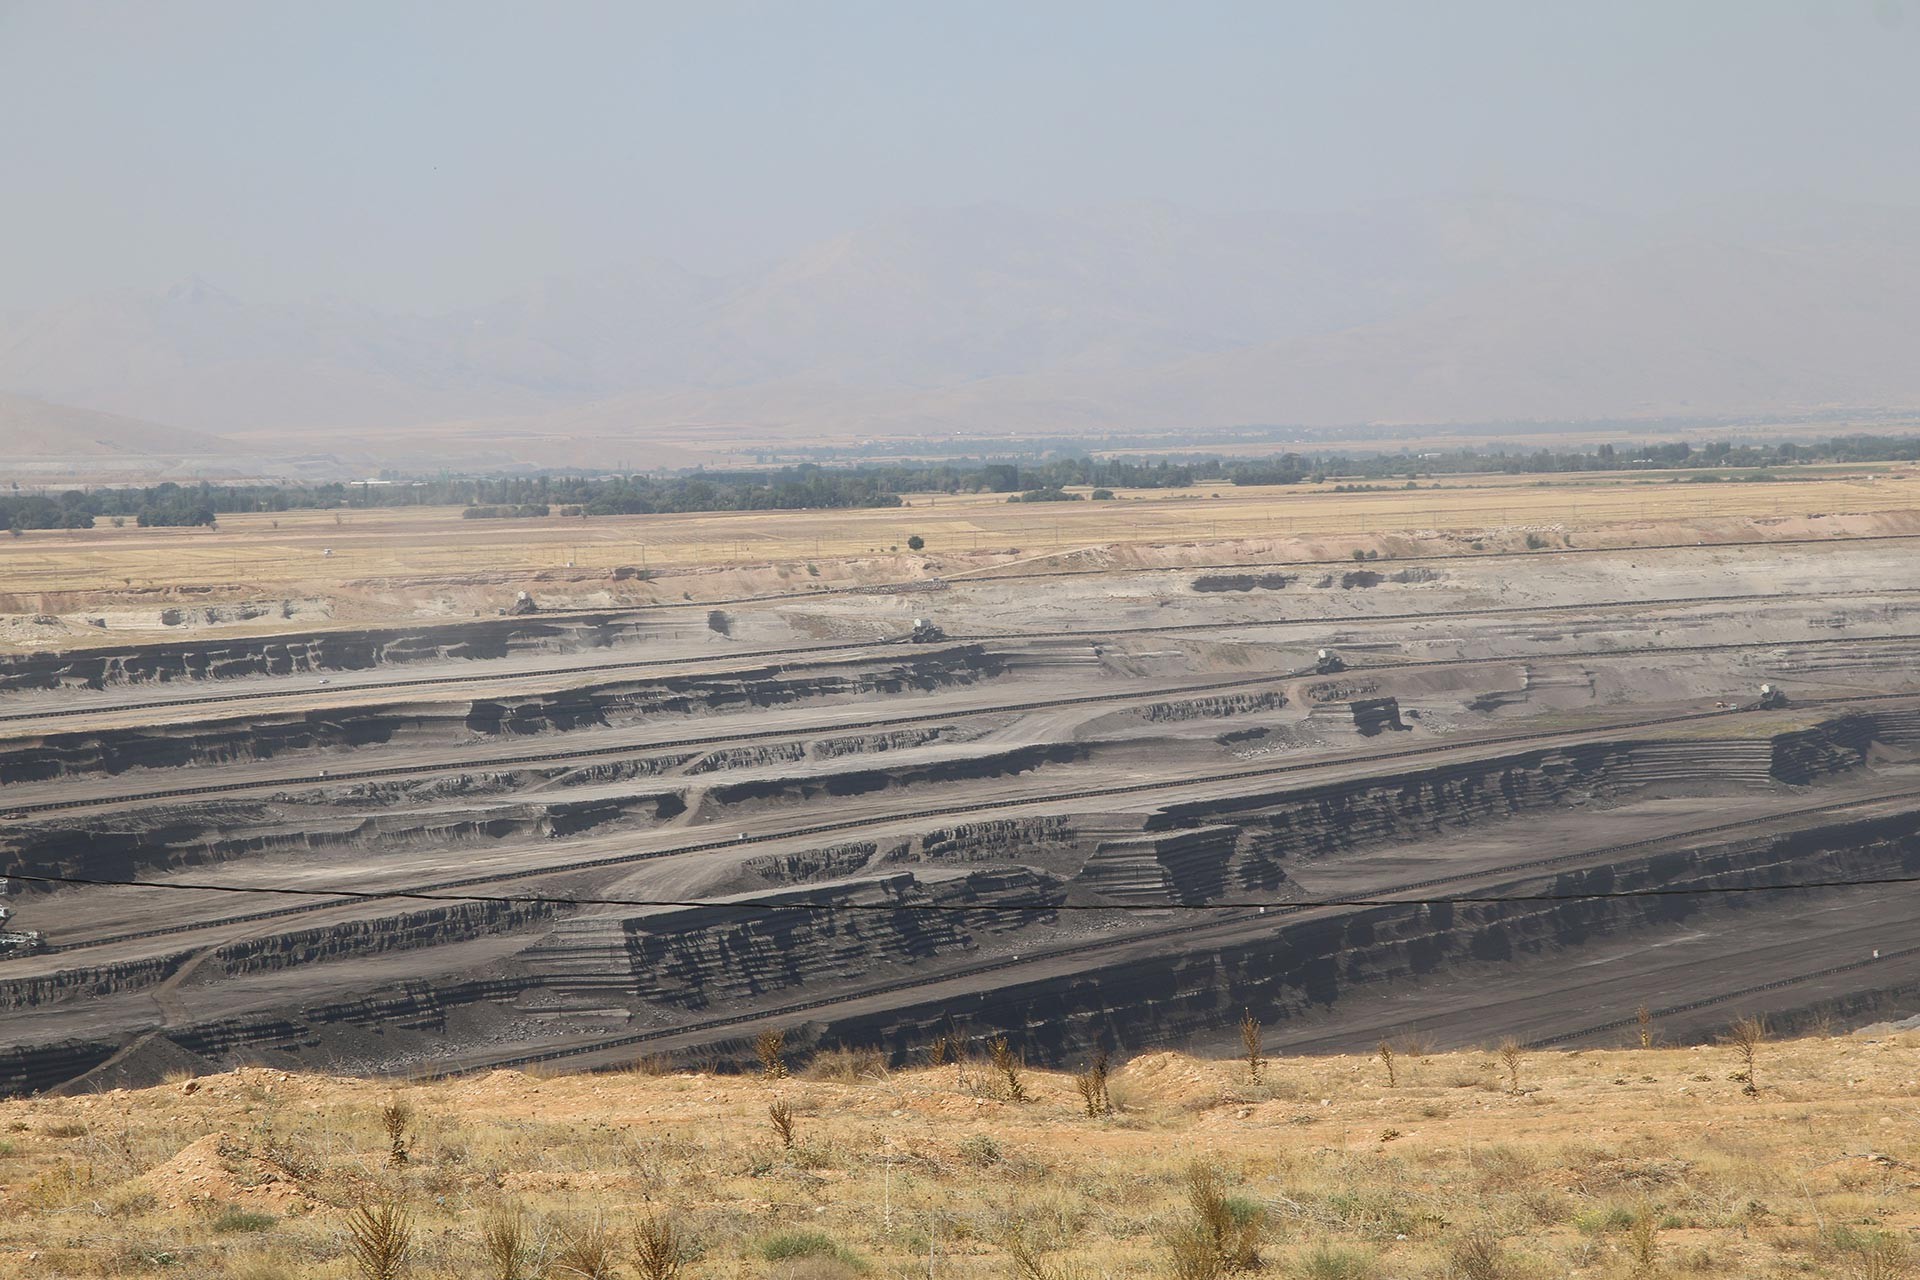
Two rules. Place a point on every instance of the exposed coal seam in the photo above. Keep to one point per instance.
(1048, 908)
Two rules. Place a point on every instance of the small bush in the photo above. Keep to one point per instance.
(380, 1239)
(586, 1253)
(1510, 1059)
(770, 1047)
(510, 1244)
(1251, 1043)
(394, 1119)
(659, 1249)
(981, 1150)
(916, 542)
(1333, 1262)
(235, 1221)
(848, 1066)
(781, 1116)
(786, 1246)
(1746, 1036)
(1223, 1235)
(1009, 1065)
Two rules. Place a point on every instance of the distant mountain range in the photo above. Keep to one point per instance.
(35, 429)
(994, 319)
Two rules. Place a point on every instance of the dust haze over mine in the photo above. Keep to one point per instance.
(563, 540)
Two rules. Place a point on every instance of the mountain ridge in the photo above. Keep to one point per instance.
(992, 318)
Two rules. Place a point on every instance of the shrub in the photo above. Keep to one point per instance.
(659, 1249)
(848, 1066)
(380, 1240)
(786, 1246)
(1746, 1036)
(916, 542)
(233, 1221)
(1092, 1086)
(510, 1245)
(1008, 1064)
(1478, 1255)
(394, 1119)
(1510, 1059)
(768, 1046)
(1223, 1236)
(781, 1116)
(981, 1150)
(1331, 1262)
(586, 1253)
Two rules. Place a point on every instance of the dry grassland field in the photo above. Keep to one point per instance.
(45, 571)
(1458, 1166)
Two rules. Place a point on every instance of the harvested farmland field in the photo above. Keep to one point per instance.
(1513, 762)
(371, 555)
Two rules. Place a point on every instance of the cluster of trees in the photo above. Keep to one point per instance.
(164, 505)
(1291, 468)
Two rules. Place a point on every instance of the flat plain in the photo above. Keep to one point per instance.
(305, 552)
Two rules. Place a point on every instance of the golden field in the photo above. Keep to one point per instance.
(1635, 1162)
(287, 553)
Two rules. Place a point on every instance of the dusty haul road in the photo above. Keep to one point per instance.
(1115, 805)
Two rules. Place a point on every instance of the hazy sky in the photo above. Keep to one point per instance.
(424, 155)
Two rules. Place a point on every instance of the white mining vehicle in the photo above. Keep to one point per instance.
(15, 942)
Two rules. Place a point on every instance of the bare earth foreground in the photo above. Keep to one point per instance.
(1614, 1162)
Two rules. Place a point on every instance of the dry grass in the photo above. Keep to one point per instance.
(282, 552)
(1611, 1164)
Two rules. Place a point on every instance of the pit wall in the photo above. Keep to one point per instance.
(1285, 825)
(1279, 825)
(686, 959)
(218, 659)
(262, 736)
(1301, 968)
(1308, 967)
(437, 926)
(695, 957)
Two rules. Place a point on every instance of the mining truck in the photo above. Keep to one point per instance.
(15, 942)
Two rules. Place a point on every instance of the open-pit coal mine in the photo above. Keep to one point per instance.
(1460, 799)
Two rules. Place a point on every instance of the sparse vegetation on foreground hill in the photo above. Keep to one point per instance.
(1637, 1162)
